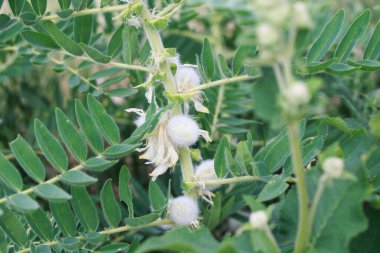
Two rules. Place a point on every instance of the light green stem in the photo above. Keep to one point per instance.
(272, 240)
(221, 82)
(157, 46)
(303, 229)
(317, 197)
(109, 232)
(89, 11)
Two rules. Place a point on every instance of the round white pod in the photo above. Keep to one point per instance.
(183, 211)
(183, 131)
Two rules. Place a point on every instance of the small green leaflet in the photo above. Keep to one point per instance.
(110, 207)
(84, 208)
(207, 59)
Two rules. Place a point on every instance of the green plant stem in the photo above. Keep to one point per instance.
(316, 198)
(157, 46)
(302, 237)
(221, 82)
(272, 240)
(109, 232)
(89, 11)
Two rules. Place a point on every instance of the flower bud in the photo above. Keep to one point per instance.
(298, 93)
(258, 220)
(205, 171)
(183, 211)
(301, 15)
(183, 131)
(267, 34)
(333, 167)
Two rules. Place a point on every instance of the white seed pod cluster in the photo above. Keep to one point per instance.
(184, 131)
(333, 167)
(297, 93)
(205, 171)
(183, 211)
(258, 219)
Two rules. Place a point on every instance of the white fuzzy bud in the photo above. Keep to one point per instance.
(183, 211)
(333, 167)
(267, 34)
(298, 93)
(301, 15)
(186, 78)
(205, 171)
(183, 131)
(258, 220)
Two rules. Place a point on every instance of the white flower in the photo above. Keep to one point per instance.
(301, 15)
(141, 116)
(333, 167)
(159, 150)
(203, 172)
(184, 131)
(187, 78)
(258, 220)
(267, 34)
(297, 93)
(183, 211)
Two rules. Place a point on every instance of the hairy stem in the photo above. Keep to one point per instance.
(303, 217)
(89, 11)
(110, 232)
(157, 46)
(221, 82)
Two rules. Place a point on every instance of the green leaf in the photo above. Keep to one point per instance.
(244, 158)
(261, 242)
(374, 125)
(70, 136)
(11, 31)
(28, 160)
(125, 192)
(207, 59)
(212, 214)
(224, 66)
(39, 40)
(274, 188)
(142, 220)
(70, 244)
(39, 6)
(62, 39)
(64, 4)
(105, 123)
(352, 36)
(84, 208)
(51, 193)
(40, 249)
(83, 29)
(372, 50)
(110, 207)
(240, 55)
(114, 247)
(40, 224)
(12, 226)
(64, 13)
(157, 198)
(98, 164)
(130, 44)
(326, 38)
(77, 178)
(95, 54)
(115, 42)
(220, 159)
(16, 6)
(367, 65)
(181, 240)
(9, 175)
(122, 92)
(96, 237)
(341, 69)
(88, 128)
(50, 146)
(64, 217)
(315, 67)
(105, 2)
(340, 201)
(23, 203)
(119, 150)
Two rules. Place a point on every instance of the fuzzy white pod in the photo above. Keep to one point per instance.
(258, 220)
(186, 78)
(333, 167)
(183, 131)
(205, 171)
(301, 15)
(267, 34)
(183, 211)
(298, 93)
